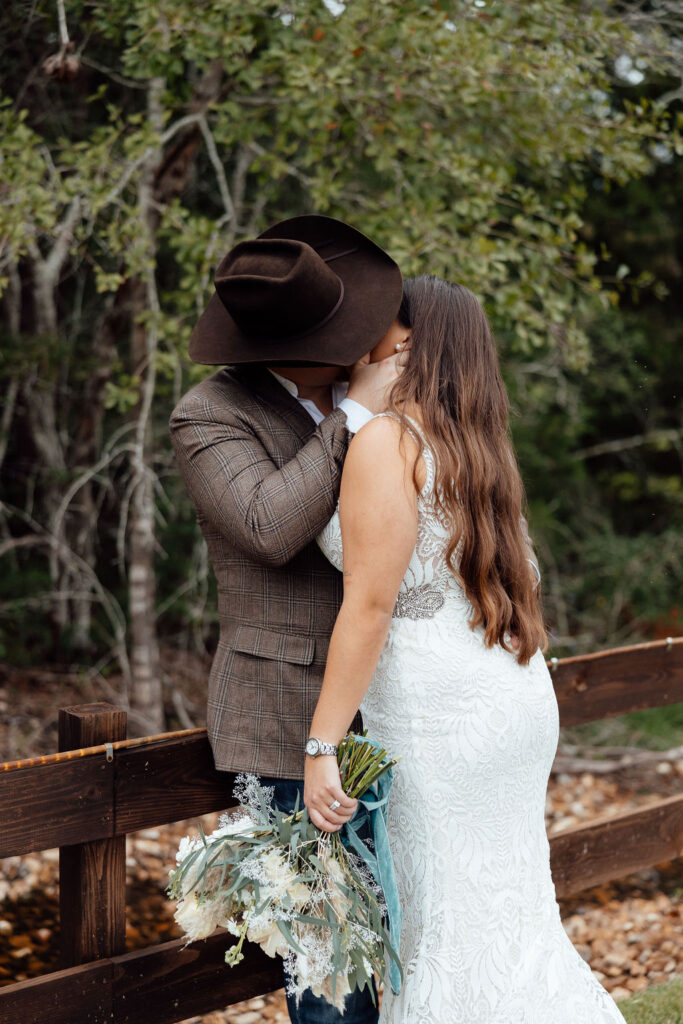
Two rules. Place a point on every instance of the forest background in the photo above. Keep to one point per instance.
(530, 150)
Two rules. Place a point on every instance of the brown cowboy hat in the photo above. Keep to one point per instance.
(309, 290)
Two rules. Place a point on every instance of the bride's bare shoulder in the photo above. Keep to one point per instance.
(382, 443)
(381, 433)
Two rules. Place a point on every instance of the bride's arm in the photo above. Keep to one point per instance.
(378, 515)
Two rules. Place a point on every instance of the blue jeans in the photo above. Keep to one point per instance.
(358, 1008)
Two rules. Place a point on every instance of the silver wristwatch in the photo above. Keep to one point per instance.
(314, 746)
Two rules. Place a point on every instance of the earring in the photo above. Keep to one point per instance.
(399, 346)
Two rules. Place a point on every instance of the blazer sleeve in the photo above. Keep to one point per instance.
(269, 513)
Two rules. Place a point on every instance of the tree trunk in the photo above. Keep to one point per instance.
(147, 695)
(164, 177)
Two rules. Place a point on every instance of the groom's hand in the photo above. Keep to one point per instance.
(370, 383)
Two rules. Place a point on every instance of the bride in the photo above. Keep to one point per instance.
(440, 641)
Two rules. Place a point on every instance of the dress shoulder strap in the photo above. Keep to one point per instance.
(417, 430)
(414, 429)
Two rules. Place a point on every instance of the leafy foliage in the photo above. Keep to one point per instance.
(490, 142)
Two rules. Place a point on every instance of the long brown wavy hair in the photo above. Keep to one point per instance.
(453, 376)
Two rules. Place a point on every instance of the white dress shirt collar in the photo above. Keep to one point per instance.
(356, 414)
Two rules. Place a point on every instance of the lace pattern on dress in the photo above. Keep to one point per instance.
(482, 940)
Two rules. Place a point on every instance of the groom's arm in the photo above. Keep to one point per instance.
(269, 513)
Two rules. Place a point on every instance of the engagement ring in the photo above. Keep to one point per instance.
(334, 805)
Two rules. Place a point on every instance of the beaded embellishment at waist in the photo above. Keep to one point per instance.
(421, 602)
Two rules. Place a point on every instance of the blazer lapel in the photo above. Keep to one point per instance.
(260, 381)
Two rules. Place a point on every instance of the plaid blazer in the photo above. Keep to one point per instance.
(264, 480)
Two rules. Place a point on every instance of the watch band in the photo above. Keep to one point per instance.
(323, 746)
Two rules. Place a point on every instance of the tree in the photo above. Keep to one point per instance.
(461, 135)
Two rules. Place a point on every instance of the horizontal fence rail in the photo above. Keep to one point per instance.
(587, 854)
(109, 790)
(589, 687)
(150, 986)
(86, 800)
(615, 845)
(117, 788)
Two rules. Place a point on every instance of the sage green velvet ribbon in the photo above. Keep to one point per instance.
(372, 806)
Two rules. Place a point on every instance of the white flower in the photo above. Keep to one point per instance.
(198, 920)
(310, 968)
(248, 788)
(266, 933)
(300, 894)
(325, 990)
(246, 897)
(228, 826)
(341, 903)
(278, 871)
(187, 846)
(252, 868)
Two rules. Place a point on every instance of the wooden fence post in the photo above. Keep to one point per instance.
(92, 876)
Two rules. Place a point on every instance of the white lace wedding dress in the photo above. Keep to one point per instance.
(482, 941)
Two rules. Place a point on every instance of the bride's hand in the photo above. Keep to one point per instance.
(322, 785)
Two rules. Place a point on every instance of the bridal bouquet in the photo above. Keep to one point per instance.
(318, 899)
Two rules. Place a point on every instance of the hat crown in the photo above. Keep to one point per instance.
(310, 290)
(277, 288)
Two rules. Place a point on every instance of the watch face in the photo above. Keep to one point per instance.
(312, 747)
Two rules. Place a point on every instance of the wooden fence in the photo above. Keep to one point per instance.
(100, 787)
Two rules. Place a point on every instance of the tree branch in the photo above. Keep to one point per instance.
(60, 250)
(624, 443)
(183, 122)
(63, 31)
(218, 168)
(112, 609)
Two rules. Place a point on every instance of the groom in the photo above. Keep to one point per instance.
(261, 445)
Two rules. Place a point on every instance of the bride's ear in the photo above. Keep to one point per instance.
(405, 349)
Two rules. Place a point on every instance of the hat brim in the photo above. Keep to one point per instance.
(372, 295)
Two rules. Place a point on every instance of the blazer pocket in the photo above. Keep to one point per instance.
(268, 643)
